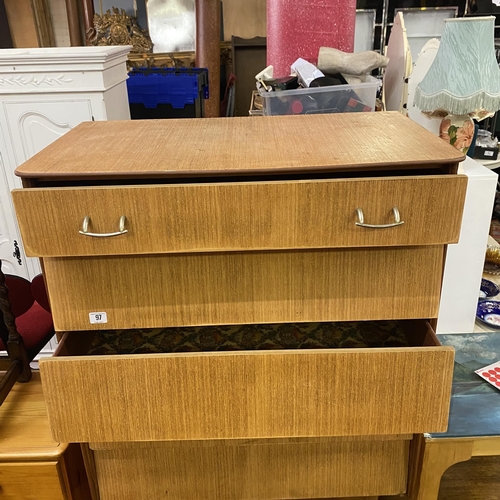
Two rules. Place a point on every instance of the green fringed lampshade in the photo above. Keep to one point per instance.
(465, 77)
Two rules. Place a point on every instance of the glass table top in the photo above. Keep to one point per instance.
(475, 404)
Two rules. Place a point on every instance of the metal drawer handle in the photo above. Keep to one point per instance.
(361, 219)
(85, 229)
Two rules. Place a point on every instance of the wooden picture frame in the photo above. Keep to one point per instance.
(30, 23)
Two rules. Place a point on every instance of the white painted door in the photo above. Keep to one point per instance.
(33, 125)
(11, 251)
(30, 126)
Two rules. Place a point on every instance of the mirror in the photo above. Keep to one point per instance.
(172, 25)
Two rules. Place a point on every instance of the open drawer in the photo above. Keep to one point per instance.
(233, 216)
(313, 381)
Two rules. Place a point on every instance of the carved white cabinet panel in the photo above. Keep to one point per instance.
(12, 256)
(34, 125)
(43, 94)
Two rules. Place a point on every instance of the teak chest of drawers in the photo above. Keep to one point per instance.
(182, 223)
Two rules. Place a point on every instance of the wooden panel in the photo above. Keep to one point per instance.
(252, 471)
(90, 469)
(22, 23)
(5, 36)
(245, 19)
(135, 445)
(166, 148)
(248, 394)
(30, 481)
(477, 479)
(249, 58)
(237, 288)
(73, 474)
(241, 216)
(486, 446)
(24, 428)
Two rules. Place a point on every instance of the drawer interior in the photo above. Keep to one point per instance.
(326, 335)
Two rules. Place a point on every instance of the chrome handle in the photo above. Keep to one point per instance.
(361, 219)
(85, 229)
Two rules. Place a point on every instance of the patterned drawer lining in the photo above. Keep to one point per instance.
(250, 337)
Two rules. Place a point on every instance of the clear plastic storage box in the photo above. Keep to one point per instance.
(334, 99)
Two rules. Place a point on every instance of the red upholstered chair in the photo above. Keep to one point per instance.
(25, 327)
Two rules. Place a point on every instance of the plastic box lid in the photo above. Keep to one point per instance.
(175, 86)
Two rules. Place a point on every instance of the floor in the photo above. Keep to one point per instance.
(477, 479)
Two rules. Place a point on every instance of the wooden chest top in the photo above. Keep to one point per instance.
(240, 146)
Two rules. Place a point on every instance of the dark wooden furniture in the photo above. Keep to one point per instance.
(25, 328)
(249, 58)
(5, 37)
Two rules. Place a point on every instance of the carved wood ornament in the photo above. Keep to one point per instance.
(118, 28)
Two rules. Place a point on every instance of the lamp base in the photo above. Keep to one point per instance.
(458, 130)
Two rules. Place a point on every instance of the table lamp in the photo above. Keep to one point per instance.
(463, 82)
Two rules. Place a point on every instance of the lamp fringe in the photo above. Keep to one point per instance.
(456, 105)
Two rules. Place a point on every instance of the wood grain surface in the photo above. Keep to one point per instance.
(32, 466)
(237, 288)
(22, 23)
(191, 147)
(241, 216)
(248, 394)
(30, 481)
(245, 19)
(24, 428)
(477, 479)
(135, 445)
(273, 471)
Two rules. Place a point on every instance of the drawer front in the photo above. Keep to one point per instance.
(332, 468)
(248, 394)
(241, 216)
(254, 287)
(30, 481)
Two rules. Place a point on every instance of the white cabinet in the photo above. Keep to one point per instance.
(43, 94)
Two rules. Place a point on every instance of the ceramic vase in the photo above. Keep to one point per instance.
(458, 130)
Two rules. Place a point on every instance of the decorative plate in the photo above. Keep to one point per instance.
(488, 289)
(488, 312)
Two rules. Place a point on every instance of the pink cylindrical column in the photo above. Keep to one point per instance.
(298, 28)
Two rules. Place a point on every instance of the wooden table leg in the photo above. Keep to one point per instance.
(438, 456)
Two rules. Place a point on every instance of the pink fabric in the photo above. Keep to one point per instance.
(33, 326)
(298, 28)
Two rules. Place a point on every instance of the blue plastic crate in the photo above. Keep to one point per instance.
(175, 86)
